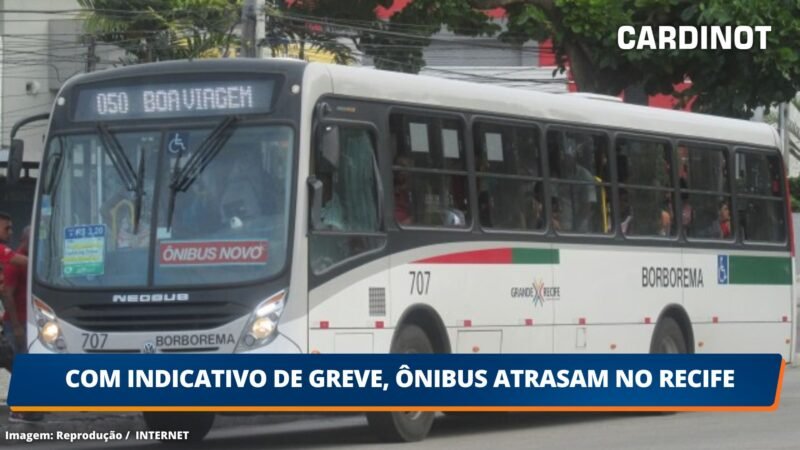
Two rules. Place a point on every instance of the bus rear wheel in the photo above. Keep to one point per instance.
(668, 337)
(198, 424)
(405, 426)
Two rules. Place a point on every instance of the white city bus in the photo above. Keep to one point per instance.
(283, 207)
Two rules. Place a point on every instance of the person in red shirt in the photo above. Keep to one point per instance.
(15, 297)
(724, 220)
(8, 256)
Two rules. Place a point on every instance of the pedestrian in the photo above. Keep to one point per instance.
(15, 298)
(6, 254)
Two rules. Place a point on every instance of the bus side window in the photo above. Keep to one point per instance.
(759, 190)
(645, 180)
(508, 160)
(580, 182)
(350, 214)
(705, 192)
(429, 170)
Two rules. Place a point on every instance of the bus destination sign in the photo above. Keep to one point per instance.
(164, 100)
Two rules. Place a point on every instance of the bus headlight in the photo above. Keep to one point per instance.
(262, 327)
(47, 325)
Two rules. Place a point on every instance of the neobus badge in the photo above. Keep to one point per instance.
(151, 298)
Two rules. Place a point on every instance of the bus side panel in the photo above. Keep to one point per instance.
(611, 285)
(471, 291)
(752, 288)
(743, 338)
(604, 338)
(356, 300)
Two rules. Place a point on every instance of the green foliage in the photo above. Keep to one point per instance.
(156, 30)
(731, 83)
(315, 25)
(399, 46)
(394, 44)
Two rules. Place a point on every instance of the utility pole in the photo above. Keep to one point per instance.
(91, 58)
(252, 28)
(783, 114)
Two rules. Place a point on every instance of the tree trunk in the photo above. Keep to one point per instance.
(635, 94)
(583, 72)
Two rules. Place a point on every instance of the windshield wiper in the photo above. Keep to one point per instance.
(57, 163)
(183, 178)
(117, 156)
(137, 208)
(133, 182)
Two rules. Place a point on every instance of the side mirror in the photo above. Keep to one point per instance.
(315, 185)
(329, 150)
(15, 153)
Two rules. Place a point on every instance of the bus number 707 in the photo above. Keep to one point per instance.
(420, 282)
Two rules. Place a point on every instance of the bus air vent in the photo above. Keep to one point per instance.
(377, 301)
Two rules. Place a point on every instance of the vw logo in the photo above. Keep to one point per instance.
(148, 347)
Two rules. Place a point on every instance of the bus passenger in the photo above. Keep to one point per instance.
(687, 213)
(627, 211)
(556, 220)
(402, 193)
(724, 220)
(535, 217)
(577, 201)
(665, 222)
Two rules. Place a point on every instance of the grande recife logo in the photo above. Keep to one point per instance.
(196, 253)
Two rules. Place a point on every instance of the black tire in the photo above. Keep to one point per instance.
(198, 424)
(668, 338)
(404, 426)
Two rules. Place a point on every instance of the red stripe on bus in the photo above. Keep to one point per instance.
(491, 256)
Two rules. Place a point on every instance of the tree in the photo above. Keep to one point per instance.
(318, 25)
(157, 30)
(395, 44)
(731, 83)
(398, 43)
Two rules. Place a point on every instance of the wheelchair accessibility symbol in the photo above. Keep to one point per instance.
(722, 269)
(178, 143)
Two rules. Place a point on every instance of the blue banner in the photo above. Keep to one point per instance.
(350, 382)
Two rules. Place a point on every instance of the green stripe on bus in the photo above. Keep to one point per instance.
(760, 270)
(534, 256)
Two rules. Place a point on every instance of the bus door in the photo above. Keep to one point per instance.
(348, 266)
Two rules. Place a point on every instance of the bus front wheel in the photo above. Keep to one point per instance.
(198, 424)
(402, 426)
(668, 337)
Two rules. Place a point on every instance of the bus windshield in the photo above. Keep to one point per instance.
(169, 207)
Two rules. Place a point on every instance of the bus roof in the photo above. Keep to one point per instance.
(195, 67)
(368, 83)
(438, 92)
